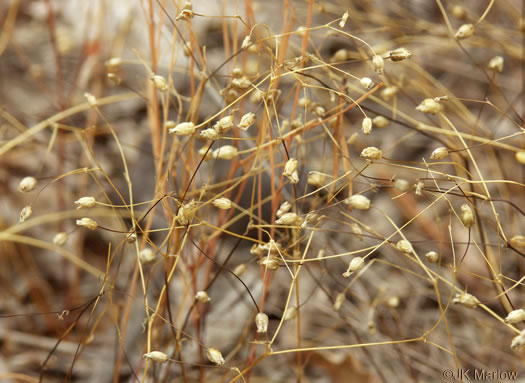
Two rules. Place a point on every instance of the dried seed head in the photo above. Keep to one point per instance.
(291, 313)
(85, 202)
(210, 134)
(289, 219)
(458, 12)
(91, 100)
(146, 256)
(186, 12)
(311, 218)
(261, 321)
(88, 223)
(239, 269)
(430, 105)
(496, 64)
(25, 213)
(404, 246)
(432, 256)
(60, 238)
(372, 153)
(237, 72)
(246, 42)
(518, 341)
(339, 299)
(156, 356)
(290, 170)
(131, 237)
(401, 185)
(183, 129)
(271, 262)
(222, 203)
(27, 184)
(241, 83)
(202, 296)
(319, 111)
(389, 92)
(284, 208)
(467, 216)
(185, 213)
(301, 31)
(515, 316)
(358, 201)
(247, 120)
(366, 82)
(340, 55)
(378, 63)
(356, 229)
(159, 82)
(113, 64)
(214, 356)
(419, 187)
(464, 32)
(226, 152)
(393, 301)
(400, 54)
(380, 122)
(343, 20)
(224, 124)
(366, 125)
(466, 300)
(439, 153)
(518, 241)
(316, 179)
(355, 264)
(520, 157)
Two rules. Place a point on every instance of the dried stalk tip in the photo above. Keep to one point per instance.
(202, 296)
(247, 120)
(467, 216)
(159, 82)
(339, 299)
(464, 32)
(27, 184)
(380, 122)
(496, 64)
(88, 223)
(466, 300)
(520, 157)
(404, 246)
(518, 341)
(284, 208)
(372, 153)
(261, 321)
(156, 356)
(85, 202)
(366, 125)
(439, 153)
(432, 256)
(214, 356)
(430, 105)
(183, 129)
(290, 170)
(400, 54)
(60, 238)
(226, 152)
(222, 203)
(246, 42)
(518, 241)
(378, 63)
(358, 201)
(25, 213)
(355, 265)
(146, 256)
(515, 316)
(343, 20)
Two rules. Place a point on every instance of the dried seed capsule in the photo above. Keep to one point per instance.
(378, 63)
(340, 55)
(185, 213)
(247, 120)
(239, 269)
(432, 256)
(400, 54)
(343, 20)
(146, 256)
(518, 341)
(393, 301)
(464, 32)
(60, 238)
(319, 111)
(339, 299)
(159, 82)
(439, 153)
(404, 246)
(246, 42)
(222, 203)
(271, 262)
(366, 82)
(27, 184)
(372, 153)
(316, 179)
(358, 201)
(85, 202)
(224, 124)
(156, 356)
(518, 241)
(131, 237)
(380, 122)
(355, 264)
(88, 223)
(226, 152)
(401, 185)
(214, 356)
(290, 170)
(202, 296)
(210, 134)
(25, 213)
(520, 157)
(496, 64)
(430, 105)
(92, 100)
(467, 216)
(515, 316)
(289, 219)
(466, 300)
(366, 126)
(291, 313)
(284, 208)
(458, 12)
(183, 129)
(261, 321)
(241, 83)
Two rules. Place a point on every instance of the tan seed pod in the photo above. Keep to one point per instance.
(289, 219)
(339, 299)
(432, 256)
(515, 316)
(520, 157)
(210, 134)
(246, 42)
(464, 31)
(340, 55)
(214, 356)
(358, 201)
(159, 82)
(25, 213)
(319, 111)
(400, 54)
(366, 82)
(247, 120)
(371, 153)
(222, 203)
(183, 129)
(239, 269)
(518, 341)
(430, 105)
(355, 264)
(380, 122)
(404, 246)
(402, 185)
(88, 223)
(496, 64)
(91, 100)
(518, 241)
(113, 64)
(226, 152)
(185, 213)
(156, 356)
(85, 202)
(458, 12)
(202, 297)
(60, 238)
(316, 179)
(466, 300)
(27, 184)
(241, 83)
(261, 321)
(366, 126)
(467, 215)
(290, 171)
(284, 208)
(271, 262)
(378, 63)
(343, 20)
(147, 256)
(131, 237)
(439, 153)
(389, 92)
(290, 314)
(393, 301)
